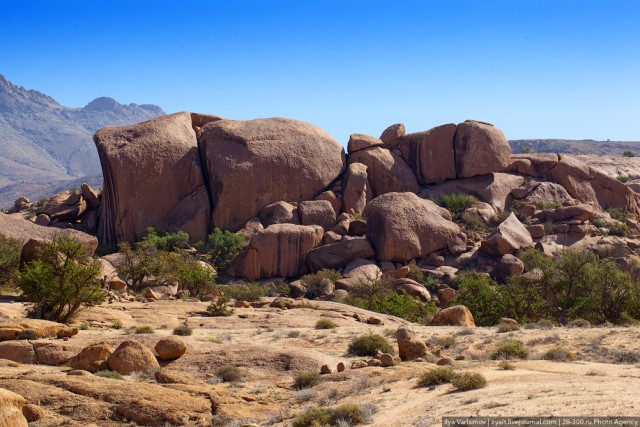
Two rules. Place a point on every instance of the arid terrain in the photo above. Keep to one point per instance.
(271, 346)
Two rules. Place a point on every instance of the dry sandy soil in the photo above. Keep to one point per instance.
(271, 346)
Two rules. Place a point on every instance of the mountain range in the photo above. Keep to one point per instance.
(46, 147)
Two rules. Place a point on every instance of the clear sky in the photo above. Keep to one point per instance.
(536, 69)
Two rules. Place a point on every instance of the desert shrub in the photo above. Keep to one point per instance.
(294, 333)
(446, 341)
(183, 330)
(307, 379)
(619, 214)
(109, 374)
(117, 324)
(10, 250)
(548, 228)
(505, 365)
(246, 291)
(558, 353)
(618, 229)
(623, 178)
(478, 293)
(219, 308)
(228, 373)
(221, 247)
(579, 323)
(628, 153)
(474, 222)
(28, 334)
(468, 381)
(396, 304)
(599, 222)
(456, 203)
(166, 241)
(436, 376)
(369, 345)
(513, 349)
(144, 329)
(342, 415)
(626, 357)
(62, 280)
(547, 205)
(506, 327)
(192, 276)
(320, 283)
(326, 324)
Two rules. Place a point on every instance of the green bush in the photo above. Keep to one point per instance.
(599, 222)
(400, 305)
(513, 349)
(166, 241)
(326, 324)
(619, 214)
(28, 334)
(61, 280)
(506, 327)
(245, 291)
(183, 330)
(623, 178)
(369, 345)
(618, 229)
(447, 341)
(320, 283)
(221, 247)
(478, 293)
(141, 263)
(341, 415)
(218, 307)
(547, 205)
(228, 373)
(144, 329)
(468, 381)
(456, 203)
(505, 365)
(10, 250)
(628, 153)
(117, 324)
(307, 379)
(436, 376)
(109, 374)
(558, 353)
(192, 276)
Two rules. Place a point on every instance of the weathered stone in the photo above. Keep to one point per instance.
(170, 348)
(279, 213)
(90, 195)
(430, 154)
(509, 237)
(18, 351)
(317, 212)
(131, 356)
(391, 136)
(357, 190)
(410, 346)
(458, 315)
(509, 265)
(386, 172)
(11, 405)
(359, 142)
(387, 360)
(339, 254)
(92, 358)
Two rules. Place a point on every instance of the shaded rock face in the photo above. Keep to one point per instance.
(279, 250)
(257, 162)
(402, 226)
(480, 148)
(339, 254)
(165, 190)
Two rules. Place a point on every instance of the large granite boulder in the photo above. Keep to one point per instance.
(480, 148)
(509, 237)
(402, 226)
(279, 250)
(386, 171)
(430, 154)
(257, 162)
(356, 190)
(152, 178)
(11, 405)
(391, 137)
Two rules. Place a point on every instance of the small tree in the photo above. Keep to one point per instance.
(193, 276)
(628, 153)
(61, 280)
(9, 258)
(320, 283)
(222, 247)
(139, 264)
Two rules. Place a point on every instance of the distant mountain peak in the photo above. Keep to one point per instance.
(104, 103)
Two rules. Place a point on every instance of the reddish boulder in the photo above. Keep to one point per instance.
(279, 213)
(510, 236)
(458, 315)
(356, 189)
(386, 171)
(430, 154)
(392, 136)
(339, 254)
(317, 212)
(359, 142)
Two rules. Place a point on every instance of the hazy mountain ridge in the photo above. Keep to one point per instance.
(575, 146)
(45, 143)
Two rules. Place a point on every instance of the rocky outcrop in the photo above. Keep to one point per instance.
(257, 162)
(386, 171)
(92, 358)
(359, 142)
(356, 189)
(11, 405)
(131, 356)
(165, 190)
(170, 348)
(402, 226)
(279, 250)
(339, 254)
(410, 346)
(458, 315)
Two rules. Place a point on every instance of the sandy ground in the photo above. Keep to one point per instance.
(271, 346)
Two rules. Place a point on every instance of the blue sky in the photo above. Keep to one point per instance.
(536, 69)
